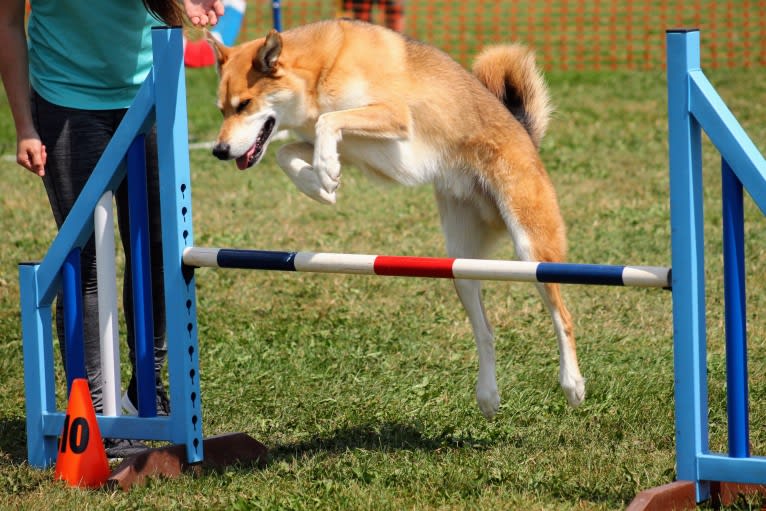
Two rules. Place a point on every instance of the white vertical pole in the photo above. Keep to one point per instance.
(107, 305)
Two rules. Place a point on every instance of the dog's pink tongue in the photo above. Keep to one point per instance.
(243, 160)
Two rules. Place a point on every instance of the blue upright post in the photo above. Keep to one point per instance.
(276, 9)
(177, 234)
(143, 321)
(735, 305)
(689, 336)
(39, 386)
(73, 334)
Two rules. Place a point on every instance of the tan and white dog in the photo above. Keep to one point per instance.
(404, 112)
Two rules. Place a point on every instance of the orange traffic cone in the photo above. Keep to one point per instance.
(81, 457)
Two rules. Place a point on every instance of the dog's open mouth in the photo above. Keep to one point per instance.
(255, 152)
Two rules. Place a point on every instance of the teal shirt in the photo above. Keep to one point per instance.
(89, 54)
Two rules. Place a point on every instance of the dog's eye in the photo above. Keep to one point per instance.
(241, 107)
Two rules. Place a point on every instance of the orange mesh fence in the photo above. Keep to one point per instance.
(566, 34)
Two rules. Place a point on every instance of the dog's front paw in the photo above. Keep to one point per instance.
(308, 182)
(292, 158)
(326, 160)
(327, 168)
(488, 399)
(324, 197)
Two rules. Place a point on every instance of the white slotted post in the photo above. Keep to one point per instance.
(106, 275)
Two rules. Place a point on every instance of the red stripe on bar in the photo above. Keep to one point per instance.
(434, 267)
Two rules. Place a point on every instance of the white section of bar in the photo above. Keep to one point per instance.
(490, 269)
(359, 264)
(646, 276)
(106, 275)
(201, 257)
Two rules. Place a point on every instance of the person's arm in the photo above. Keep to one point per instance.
(30, 152)
(203, 12)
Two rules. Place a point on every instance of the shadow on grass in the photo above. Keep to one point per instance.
(384, 437)
(13, 440)
(393, 436)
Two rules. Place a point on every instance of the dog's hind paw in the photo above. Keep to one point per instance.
(574, 389)
(488, 400)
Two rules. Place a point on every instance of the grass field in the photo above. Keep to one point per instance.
(363, 387)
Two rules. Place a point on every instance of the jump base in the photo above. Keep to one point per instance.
(220, 452)
(680, 495)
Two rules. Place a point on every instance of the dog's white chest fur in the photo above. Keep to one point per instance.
(355, 93)
(406, 162)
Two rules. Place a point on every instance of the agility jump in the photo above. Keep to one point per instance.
(693, 104)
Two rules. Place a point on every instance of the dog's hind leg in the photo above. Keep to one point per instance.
(570, 379)
(467, 235)
(539, 235)
(294, 159)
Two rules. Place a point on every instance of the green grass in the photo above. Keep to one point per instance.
(363, 387)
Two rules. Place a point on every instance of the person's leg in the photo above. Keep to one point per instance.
(394, 14)
(74, 140)
(362, 9)
(157, 275)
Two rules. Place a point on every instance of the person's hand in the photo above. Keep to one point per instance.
(203, 12)
(30, 154)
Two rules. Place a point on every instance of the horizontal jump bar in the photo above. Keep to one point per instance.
(430, 267)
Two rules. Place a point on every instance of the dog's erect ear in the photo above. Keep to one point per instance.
(268, 54)
(221, 51)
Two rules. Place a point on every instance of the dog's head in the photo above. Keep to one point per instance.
(252, 96)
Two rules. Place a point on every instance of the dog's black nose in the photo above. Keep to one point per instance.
(221, 151)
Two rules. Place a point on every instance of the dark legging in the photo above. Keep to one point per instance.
(74, 140)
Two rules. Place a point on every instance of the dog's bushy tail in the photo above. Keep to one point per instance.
(511, 74)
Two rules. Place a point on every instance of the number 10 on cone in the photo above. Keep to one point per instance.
(75, 436)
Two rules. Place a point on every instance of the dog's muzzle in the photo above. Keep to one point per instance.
(222, 151)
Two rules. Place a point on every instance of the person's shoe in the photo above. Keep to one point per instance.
(117, 448)
(163, 401)
(127, 405)
(129, 397)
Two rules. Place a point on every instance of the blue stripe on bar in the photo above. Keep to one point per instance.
(592, 274)
(256, 259)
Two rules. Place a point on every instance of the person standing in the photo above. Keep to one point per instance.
(70, 77)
